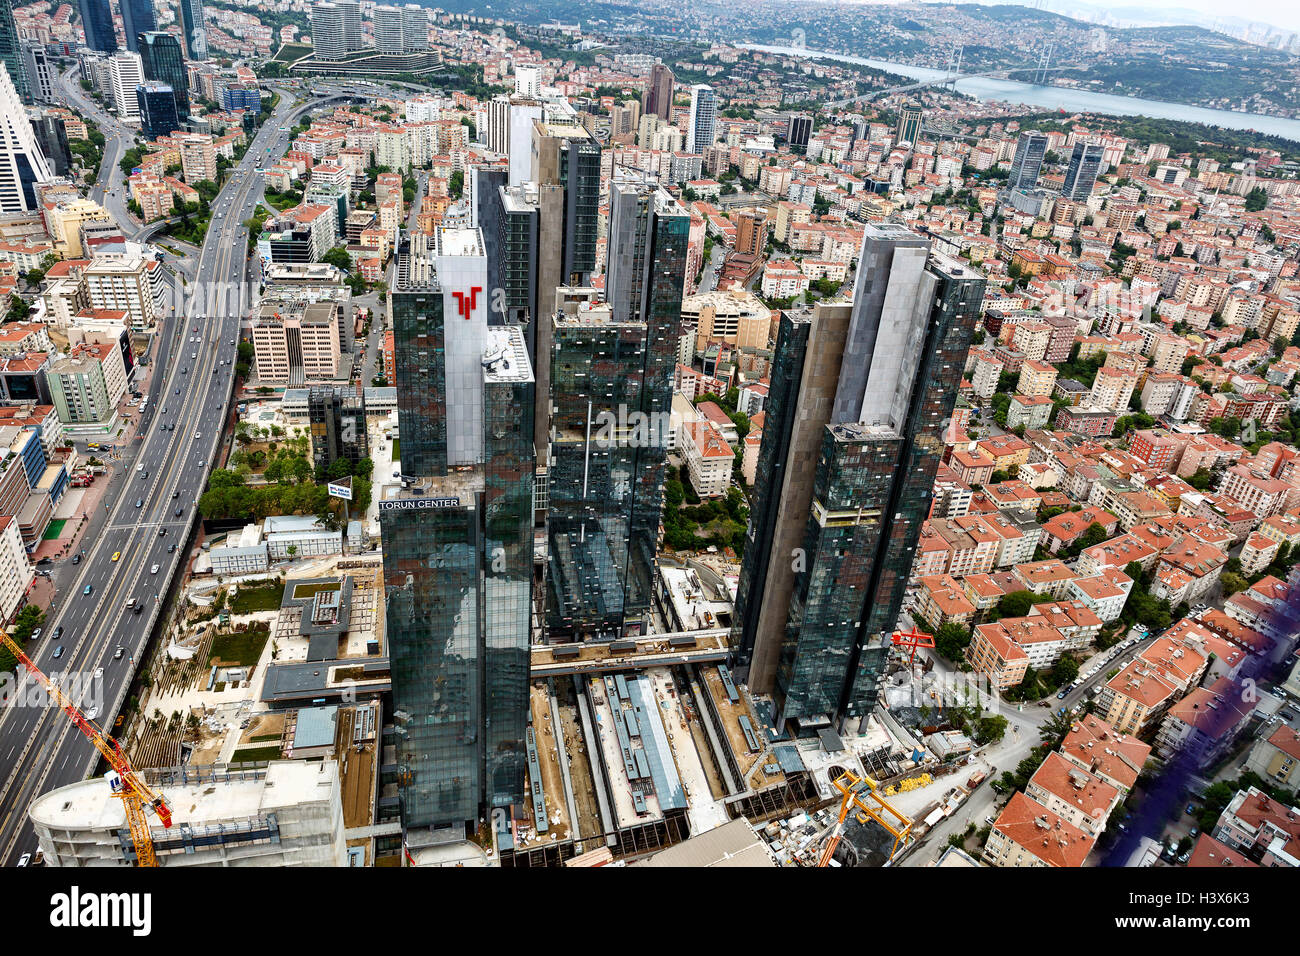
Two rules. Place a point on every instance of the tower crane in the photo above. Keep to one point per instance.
(854, 788)
(136, 795)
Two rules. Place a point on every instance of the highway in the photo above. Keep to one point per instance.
(149, 509)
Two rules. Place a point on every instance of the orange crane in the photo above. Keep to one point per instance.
(853, 788)
(912, 639)
(135, 794)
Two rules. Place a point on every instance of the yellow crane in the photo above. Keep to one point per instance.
(136, 795)
(856, 790)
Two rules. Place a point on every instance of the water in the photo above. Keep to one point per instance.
(1070, 100)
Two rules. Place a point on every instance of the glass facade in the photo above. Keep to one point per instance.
(193, 30)
(611, 397)
(161, 60)
(97, 23)
(11, 52)
(337, 420)
(419, 357)
(157, 106)
(580, 177)
(137, 17)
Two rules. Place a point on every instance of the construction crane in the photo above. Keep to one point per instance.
(854, 788)
(129, 787)
(912, 639)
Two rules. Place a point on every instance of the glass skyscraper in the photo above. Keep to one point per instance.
(458, 542)
(97, 23)
(855, 420)
(192, 29)
(1028, 160)
(611, 395)
(1081, 176)
(157, 105)
(137, 17)
(161, 59)
(11, 52)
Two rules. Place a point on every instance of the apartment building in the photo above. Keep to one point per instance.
(1028, 834)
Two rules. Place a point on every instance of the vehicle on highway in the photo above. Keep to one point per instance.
(139, 502)
(87, 589)
(116, 555)
(177, 513)
(154, 569)
(58, 632)
(171, 548)
(198, 435)
(76, 559)
(185, 370)
(117, 654)
(35, 635)
(25, 859)
(175, 495)
(140, 467)
(58, 652)
(162, 532)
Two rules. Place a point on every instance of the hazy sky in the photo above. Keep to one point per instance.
(1279, 14)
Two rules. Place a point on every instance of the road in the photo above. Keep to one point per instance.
(108, 190)
(149, 509)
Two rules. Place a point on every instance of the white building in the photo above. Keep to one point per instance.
(126, 72)
(388, 29)
(702, 130)
(287, 814)
(22, 164)
(16, 573)
(709, 459)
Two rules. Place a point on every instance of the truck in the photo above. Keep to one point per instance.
(134, 605)
(975, 779)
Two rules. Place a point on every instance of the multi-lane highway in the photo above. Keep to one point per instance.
(150, 507)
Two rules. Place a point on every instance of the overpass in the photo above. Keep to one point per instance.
(952, 78)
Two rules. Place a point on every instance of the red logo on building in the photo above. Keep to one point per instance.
(465, 306)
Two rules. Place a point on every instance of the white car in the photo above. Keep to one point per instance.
(154, 569)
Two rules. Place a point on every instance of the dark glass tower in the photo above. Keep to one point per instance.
(853, 439)
(611, 395)
(458, 546)
(11, 52)
(193, 30)
(157, 106)
(97, 23)
(137, 17)
(337, 418)
(161, 60)
(1028, 161)
(1081, 176)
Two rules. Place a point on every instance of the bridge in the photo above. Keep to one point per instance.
(953, 78)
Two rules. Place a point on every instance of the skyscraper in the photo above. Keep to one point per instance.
(801, 126)
(458, 543)
(566, 171)
(328, 38)
(1081, 176)
(704, 119)
(97, 24)
(859, 395)
(22, 164)
(39, 71)
(352, 38)
(415, 28)
(659, 92)
(156, 104)
(137, 17)
(611, 394)
(337, 418)
(1028, 161)
(911, 118)
(10, 52)
(193, 30)
(161, 59)
(388, 24)
(125, 72)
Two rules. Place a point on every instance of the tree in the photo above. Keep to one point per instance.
(1015, 604)
(1065, 670)
(951, 640)
(1232, 583)
(338, 257)
(1256, 199)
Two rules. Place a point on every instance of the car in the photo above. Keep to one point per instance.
(1061, 695)
(44, 561)
(1194, 832)
(25, 859)
(35, 635)
(1191, 809)
(164, 410)
(194, 356)
(118, 554)
(76, 558)
(140, 467)
(58, 632)
(198, 435)
(162, 532)
(154, 569)
(117, 654)
(144, 474)
(58, 652)
(178, 391)
(87, 589)
(139, 502)
(185, 370)
(1168, 853)
(175, 495)
(176, 513)
(171, 548)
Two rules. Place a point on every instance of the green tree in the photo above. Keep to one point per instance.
(951, 640)
(1015, 604)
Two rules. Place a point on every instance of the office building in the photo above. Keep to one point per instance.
(137, 17)
(458, 541)
(125, 73)
(352, 38)
(162, 60)
(388, 27)
(39, 72)
(611, 395)
(52, 139)
(910, 120)
(157, 107)
(566, 171)
(11, 52)
(22, 164)
(415, 28)
(328, 34)
(1028, 161)
(801, 126)
(1081, 176)
(703, 127)
(337, 418)
(193, 31)
(659, 92)
(97, 24)
(853, 437)
(286, 814)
